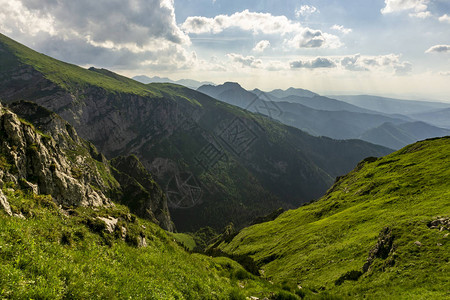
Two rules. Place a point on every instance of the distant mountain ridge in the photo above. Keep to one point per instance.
(190, 83)
(391, 105)
(279, 93)
(439, 117)
(322, 116)
(400, 135)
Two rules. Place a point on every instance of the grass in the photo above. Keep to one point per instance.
(186, 240)
(52, 255)
(317, 244)
(76, 79)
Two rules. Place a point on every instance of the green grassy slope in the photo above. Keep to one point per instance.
(319, 243)
(52, 255)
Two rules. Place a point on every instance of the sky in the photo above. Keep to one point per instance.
(398, 48)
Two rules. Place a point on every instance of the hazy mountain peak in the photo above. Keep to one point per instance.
(292, 92)
(232, 84)
(190, 83)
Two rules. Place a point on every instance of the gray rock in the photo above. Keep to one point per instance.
(110, 223)
(41, 164)
(4, 203)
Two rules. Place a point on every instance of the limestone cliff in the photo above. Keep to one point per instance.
(41, 152)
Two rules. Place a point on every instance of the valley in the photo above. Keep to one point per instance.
(114, 188)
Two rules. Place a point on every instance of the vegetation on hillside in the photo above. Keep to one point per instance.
(380, 232)
(51, 253)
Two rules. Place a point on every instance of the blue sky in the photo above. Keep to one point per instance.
(385, 47)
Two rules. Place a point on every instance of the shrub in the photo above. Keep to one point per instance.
(66, 238)
(283, 295)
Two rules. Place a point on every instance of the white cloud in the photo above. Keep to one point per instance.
(353, 63)
(421, 14)
(109, 32)
(444, 73)
(115, 22)
(245, 20)
(245, 61)
(15, 17)
(444, 18)
(310, 38)
(439, 49)
(296, 35)
(389, 62)
(318, 62)
(402, 68)
(401, 5)
(305, 11)
(261, 46)
(341, 28)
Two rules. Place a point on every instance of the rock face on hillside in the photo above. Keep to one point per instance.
(36, 161)
(140, 192)
(41, 152)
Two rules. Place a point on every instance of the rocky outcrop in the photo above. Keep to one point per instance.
(38, 162)
(4, 203)
(140, 192)
(383, 249)
(43, 153)
(440, 223)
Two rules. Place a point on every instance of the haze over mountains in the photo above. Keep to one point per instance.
(389, 122)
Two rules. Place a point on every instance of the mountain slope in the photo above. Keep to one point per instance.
(52, 255)
(58, 162)
(217, 163)
(400, 135)
(57, 246)
(63, 237)
(380, 232)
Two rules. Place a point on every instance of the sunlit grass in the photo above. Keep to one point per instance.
(316, 244)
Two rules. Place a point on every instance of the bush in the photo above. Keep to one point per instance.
(241, 274)
(283, 295)
(95, 225)
(66, 238)
(236, 295)
(132, 239)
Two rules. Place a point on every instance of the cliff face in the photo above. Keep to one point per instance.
(36, 161)
(44, 154)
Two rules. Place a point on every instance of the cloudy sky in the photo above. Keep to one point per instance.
(385, 47)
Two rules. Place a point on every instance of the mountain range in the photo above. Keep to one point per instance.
(216, 163)
(193, 84)
(68, 228)
(111, 188)
(323, 116)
